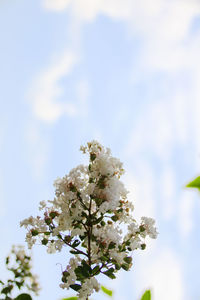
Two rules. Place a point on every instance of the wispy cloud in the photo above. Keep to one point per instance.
(47, 89)
(58, 5)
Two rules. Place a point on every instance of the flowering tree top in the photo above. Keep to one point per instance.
(87, 214)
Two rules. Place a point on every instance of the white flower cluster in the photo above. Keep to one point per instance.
(87, 213)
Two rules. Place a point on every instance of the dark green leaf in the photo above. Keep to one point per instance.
(86, 267)
(111, 245)
(74, 252)
(117, 266)
(75, 243)
(96, 221)
(109, 273)
(106, 291)
(7, 289)
(75, 287)
(146, 295)
(195, 183)
(96, 270)
(23, 297)
(125, 267)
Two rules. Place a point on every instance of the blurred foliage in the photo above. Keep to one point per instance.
(107, 291)
(146, 295)
(194, 183)
(18, 263)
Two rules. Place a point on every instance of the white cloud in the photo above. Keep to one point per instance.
(56, 5)
(45, 92)
(163, 274)
(88, 10)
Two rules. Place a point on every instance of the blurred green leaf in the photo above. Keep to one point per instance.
(146, 295)
(106, 291)
(70, 298)
(23, 297)
(195, 183)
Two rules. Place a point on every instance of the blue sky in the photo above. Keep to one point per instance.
(125, 73)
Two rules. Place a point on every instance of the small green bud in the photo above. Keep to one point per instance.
(44, 241)
(72, 187)
(128, 259)
(142, 228)
(111, 245)
(115, 218)
(34, 232)
(65, 274)
(48, 220)
(91, 180)
(67, 238)
(64, 279)
(92, 156)
(143, 246)
(103, 223)
(53, 214)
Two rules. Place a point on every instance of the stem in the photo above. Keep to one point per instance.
(89, 234)
(81, 252)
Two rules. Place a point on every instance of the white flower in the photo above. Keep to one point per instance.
(51, 248)
(150, 229)
(90, 213)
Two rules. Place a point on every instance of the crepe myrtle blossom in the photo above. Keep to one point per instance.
(87, 215)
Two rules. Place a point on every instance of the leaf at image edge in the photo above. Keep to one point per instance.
(70, 298)
(106, 291)
(23, 297)
(146, 295)
(194, 183)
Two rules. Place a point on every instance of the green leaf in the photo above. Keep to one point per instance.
(75, 243)
(106, 291)
(146, 295)
(109, 273)
(125, 267)
(23, 297)
(74, 251)
(95, 271)
(86, 267)
(75, 287)
(70, 298)
(195, 183)
(7, 289)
